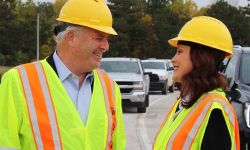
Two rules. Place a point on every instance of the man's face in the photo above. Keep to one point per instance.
(89, 45)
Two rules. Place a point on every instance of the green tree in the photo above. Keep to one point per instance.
(19, 40)
(25, 42)
(235, 19)
(47, 21)
(7, 29)
(135, 35)
(168, 18)
(151, 6)
(119, 45)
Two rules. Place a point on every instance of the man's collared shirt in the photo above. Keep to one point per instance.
(80, 96)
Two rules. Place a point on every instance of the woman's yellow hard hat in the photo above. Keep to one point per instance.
(206, 31)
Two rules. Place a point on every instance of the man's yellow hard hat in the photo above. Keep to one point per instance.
(206, 31)
(94, 14)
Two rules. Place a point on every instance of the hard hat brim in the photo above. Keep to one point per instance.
(105, 29)
(108, 30)
(174, 42)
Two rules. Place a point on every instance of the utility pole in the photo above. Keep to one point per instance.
(37, 38)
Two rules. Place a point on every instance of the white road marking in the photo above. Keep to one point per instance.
(144, 138)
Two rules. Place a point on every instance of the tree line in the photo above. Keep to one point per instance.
(143, 26)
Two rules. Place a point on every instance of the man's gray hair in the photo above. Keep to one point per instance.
(61, 36)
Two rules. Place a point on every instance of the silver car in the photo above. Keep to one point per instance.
(133, 82)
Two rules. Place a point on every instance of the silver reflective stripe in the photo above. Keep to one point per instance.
(113, 98)
(196, 125)
(7, 148)
(49, 106)
(31, 107)
(200, 119)
(113, 91)
(105, 91)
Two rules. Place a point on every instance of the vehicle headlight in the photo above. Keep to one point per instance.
(138, 85)
(247, 114)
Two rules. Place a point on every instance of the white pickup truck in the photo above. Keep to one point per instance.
(160, 68)
(132, 80)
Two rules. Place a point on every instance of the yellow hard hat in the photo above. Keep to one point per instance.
(94, 14)
(207, 31)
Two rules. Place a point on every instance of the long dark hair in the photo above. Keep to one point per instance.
(205, 76)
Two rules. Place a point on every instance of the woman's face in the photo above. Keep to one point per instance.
(182, 62)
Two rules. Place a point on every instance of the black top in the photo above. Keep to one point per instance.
(51, 62)
(216, 136)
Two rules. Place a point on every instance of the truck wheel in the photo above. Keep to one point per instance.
(141, 109)
(147, 100)
(171, 88)
(165, 90)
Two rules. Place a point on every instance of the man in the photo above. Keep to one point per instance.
(64, 102)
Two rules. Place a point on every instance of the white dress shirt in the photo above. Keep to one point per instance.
(80, 96)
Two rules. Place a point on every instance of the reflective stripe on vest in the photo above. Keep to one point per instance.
(194, 119)
(6, 148)
(40, 106)
(108, 90)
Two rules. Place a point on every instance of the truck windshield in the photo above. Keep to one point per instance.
(230, 71)
(153, 65)
(245, 69)
(121, 66)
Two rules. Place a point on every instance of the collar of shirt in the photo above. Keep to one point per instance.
(64, 72)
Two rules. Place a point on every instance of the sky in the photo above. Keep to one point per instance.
(200, 3)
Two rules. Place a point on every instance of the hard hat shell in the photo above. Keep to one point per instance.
(94, 14)
(206, 31)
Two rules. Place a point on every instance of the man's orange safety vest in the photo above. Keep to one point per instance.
(47, 133)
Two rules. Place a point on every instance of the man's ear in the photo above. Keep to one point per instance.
(71, 37)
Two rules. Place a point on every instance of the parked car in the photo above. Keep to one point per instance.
(159, 67)
(170, 70)
(238, 75)
(132, 80)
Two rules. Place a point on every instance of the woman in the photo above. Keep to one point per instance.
(202, 117)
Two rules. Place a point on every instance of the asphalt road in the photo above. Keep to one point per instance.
(141, 128)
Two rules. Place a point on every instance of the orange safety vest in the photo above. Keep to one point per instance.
(41, 109)
(189, 126)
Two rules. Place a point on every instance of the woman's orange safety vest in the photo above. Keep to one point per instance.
(187, 129)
